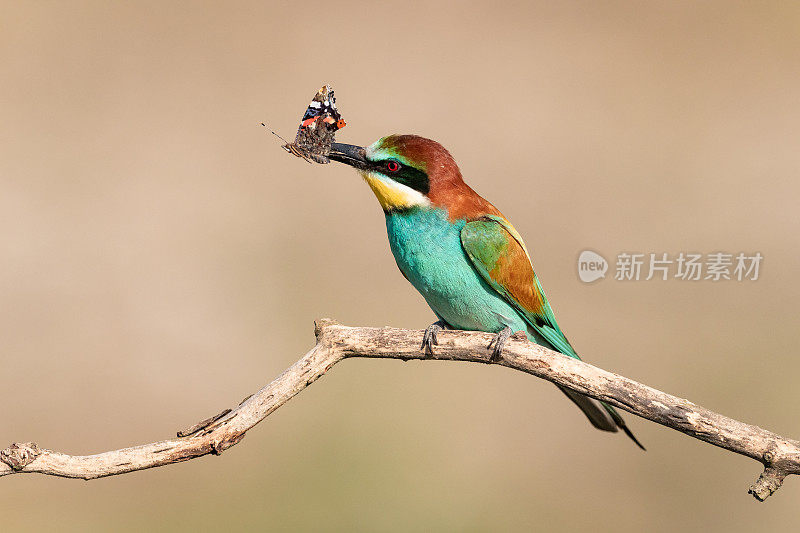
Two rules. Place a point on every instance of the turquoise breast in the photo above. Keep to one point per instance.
(427, 248)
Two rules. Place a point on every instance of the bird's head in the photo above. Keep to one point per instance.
(404, 171)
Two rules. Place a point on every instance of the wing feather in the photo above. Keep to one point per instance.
(500, 257)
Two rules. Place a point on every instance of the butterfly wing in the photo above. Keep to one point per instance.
(318, 128)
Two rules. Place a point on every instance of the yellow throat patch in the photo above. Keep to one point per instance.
(393, 195)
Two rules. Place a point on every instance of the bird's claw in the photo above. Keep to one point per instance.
(499, 342)
(430, 337)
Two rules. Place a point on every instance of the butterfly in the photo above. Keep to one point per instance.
(317, 128)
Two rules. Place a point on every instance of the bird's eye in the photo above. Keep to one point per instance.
(392, 166)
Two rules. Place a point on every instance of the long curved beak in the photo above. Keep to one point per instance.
(349, 154)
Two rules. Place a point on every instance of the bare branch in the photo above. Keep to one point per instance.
(780, 456)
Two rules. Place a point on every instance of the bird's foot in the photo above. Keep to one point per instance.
(429, 338)
(499, 342)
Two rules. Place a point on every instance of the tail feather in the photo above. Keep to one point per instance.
(620, 422)
(599, 417)
(600, 414)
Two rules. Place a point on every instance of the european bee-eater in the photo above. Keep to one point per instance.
(460, 252)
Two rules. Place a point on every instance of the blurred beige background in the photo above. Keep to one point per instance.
(161, 257)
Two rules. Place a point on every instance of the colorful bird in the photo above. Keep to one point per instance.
(461, 253)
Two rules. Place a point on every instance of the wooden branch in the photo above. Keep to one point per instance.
(780, 456)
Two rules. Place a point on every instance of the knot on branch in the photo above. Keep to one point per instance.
(20, 454)
(321, 324)
(217, 447)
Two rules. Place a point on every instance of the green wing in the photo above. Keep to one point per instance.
(499, 256)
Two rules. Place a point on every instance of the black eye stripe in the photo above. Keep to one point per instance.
(405, 174)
